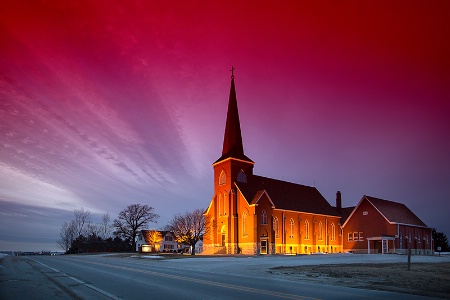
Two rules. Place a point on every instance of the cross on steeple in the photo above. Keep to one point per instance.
(232, 141)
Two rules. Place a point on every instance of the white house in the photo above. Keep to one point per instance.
(199, 247)
(167, 244)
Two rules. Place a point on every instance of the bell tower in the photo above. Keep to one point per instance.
(233, 166)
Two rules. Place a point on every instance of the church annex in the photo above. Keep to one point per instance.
(251, 214)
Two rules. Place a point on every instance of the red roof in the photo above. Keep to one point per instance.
(287, 195)
(395, 212)
(345, 213)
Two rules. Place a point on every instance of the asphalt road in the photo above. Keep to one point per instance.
(110, 277)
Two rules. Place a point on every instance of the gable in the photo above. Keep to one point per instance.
(262, 196)
(395, 212)
(392, 212)
(364, 209)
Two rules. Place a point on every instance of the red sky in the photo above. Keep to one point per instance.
(108, 103)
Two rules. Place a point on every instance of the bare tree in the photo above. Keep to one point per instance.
(189, 227)
(72, 230)
(153, 237)
(82, 222)
(67, 235)
(93, 230)
(102, 229)
(132, 219)
(105, 227)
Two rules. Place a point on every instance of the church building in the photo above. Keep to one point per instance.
(382, 226)
(252, 214)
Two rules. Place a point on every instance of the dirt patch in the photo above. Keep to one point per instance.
(427, 279)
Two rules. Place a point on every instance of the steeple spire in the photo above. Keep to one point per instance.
(232, 141)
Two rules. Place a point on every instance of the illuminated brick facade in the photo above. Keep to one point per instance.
(251, 214)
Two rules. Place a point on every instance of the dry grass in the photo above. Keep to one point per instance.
(428, 279)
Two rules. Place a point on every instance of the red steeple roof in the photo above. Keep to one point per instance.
(232, 140)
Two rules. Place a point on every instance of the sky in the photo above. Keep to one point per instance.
(109, 103)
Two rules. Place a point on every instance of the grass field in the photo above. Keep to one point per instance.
(428, 279)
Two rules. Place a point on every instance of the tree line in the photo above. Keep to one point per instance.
(81, 235)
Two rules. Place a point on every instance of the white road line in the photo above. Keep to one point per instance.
(94, 288)
(105, 293)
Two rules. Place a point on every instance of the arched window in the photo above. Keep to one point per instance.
(220, 204)
(222, 178)
(263, 217)
(333, 232)
(224, 204)
(320, 229)
(275, 226)
(291, 229)
(241, 177)
(244, 224)
(306, 230)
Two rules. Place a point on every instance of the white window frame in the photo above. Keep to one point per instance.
(222, 178)
(360, 237)
(291, 228)
(320, 231)
(263, 217)
(333, 232)
(224, 201)
(244, 224)
(276, 226)
(306, 230)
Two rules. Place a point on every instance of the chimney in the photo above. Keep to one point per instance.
(338, 203)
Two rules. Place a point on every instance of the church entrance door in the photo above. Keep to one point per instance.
(223, 240)
(263, 246)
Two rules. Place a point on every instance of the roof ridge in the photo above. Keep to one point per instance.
(380, 199)
(284, 181)
(287, 195)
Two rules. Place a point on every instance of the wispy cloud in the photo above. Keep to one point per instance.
(72, 135)
(104, 104)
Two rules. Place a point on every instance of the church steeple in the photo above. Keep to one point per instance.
(232, 140)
